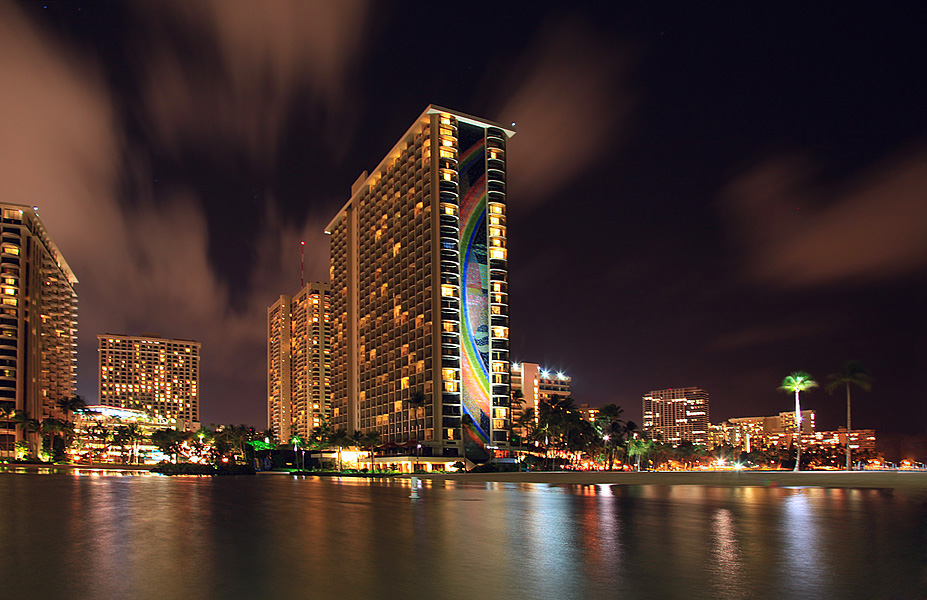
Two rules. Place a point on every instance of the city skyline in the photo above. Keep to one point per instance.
(697, 197)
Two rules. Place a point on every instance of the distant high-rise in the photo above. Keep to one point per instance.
(38, 322)
(150, 373)
(298, 362)
(420, 349)
(675, 415)
(536, 384)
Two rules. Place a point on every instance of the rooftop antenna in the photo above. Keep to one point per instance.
(302, 261)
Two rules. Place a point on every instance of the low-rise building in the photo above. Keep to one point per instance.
(117, 435)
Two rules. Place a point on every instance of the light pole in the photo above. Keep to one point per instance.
(608, 454)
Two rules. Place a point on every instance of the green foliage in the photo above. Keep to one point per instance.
(166, 468)
(261, 445)
(799, 381)
(853, 373)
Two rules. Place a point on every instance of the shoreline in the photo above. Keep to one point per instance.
(902, 480)
(909, 480)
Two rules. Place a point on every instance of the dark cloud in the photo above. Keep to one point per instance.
(572, 106)
(144, 266)
(766, 334)
(799, 232)
(241, 65)
(60, 149)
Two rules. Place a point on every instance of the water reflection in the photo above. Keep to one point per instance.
(157, 537)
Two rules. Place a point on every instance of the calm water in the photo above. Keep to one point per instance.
(280, 537)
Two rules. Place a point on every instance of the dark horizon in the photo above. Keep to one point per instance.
(711, 197)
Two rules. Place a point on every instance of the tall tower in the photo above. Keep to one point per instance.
(38, 322)
(151, 373)
(298, 362)
(677, 414)
(420, 347)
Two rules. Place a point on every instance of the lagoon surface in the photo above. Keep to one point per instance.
(277, 536)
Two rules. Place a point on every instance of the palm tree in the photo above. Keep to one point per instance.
(609, 425)
(121, 439)
(71, 405)
(369, 441)
(853, 372)
(296, 441)
(6, 416)
(30, 428)
(417, 405)
(135, 435)
(639, 447)
(527, 423)
(339, 438)
(798, 382)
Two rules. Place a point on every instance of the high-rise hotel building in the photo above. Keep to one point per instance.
(536, 384)
(150, 373)
(420, 348)
(298, 362)
(674, 415)
(38, 322)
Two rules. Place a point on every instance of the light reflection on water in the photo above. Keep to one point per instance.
(279, 536)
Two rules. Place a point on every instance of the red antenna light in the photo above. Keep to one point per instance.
(302, 254)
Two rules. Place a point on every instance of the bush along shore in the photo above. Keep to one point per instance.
(166, 468)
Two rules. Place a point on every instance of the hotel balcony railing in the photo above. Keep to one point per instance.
(495, 132)
(495, 164)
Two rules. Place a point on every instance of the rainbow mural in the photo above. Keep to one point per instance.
(476, 396)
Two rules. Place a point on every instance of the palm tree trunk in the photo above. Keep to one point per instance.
(798, 430)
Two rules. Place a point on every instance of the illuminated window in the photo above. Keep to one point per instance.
(449, 374)
(498, 253)
(450, 386)
(447, 177)
(450, 209)
(404, 383)
(396, 247)
(447, 291)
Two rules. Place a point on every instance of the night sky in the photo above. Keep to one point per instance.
(698, 196)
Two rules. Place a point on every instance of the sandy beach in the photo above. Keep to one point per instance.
(902, 480)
